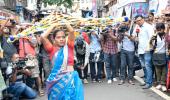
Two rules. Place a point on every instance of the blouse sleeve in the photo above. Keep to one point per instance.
(70, 43)
(48, 46)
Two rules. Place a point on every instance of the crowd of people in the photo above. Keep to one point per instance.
(60, 62)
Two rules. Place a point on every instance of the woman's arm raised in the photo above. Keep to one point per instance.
(44, 37)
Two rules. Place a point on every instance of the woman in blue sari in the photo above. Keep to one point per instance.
(63, 82)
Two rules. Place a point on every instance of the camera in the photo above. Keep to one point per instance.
(105, 32)
(14, 65)
(20, 64)
(123, 29)
(13, 22)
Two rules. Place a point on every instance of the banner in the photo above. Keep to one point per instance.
(128, 10)
(125, 2)
(115, 10)
(153, 5)
(119, 13)
(2, 3)
(162, 6)
(94, 8)
(139, 9)
(167, 9)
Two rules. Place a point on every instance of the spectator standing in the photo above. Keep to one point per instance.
(127, 54)
(159, 55)
(144, 51)
(96, 57)
(27, 49)
(109, 45)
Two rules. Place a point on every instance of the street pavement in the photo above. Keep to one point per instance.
(104, 91)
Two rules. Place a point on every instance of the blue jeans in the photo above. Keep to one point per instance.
(126, 60)
(93, 68)
(110, 61)
(18, 89)
(146, 62)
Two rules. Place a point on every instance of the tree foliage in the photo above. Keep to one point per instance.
(66, 3)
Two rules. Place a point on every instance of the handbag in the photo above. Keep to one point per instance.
(98, 56)
(31, 62)
(136, 63)
(159, 59)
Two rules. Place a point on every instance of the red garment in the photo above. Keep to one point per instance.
(52, 50)
(168, 77)
(167, 38)
(25, 48)
(86, 37)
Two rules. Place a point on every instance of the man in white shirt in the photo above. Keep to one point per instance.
(144, 51)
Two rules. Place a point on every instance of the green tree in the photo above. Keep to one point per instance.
(66, 3)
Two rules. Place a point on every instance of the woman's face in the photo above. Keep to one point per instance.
(60, 39)
(151, 18)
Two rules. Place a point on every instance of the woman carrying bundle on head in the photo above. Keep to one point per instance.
(63, 82)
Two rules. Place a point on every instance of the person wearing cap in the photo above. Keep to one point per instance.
(127, 53)
(81, 57)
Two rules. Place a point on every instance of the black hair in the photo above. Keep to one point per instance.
(151, 13)
(56, 31)
(160, 26)
(137, 16)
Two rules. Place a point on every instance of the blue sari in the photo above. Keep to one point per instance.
(63, 85)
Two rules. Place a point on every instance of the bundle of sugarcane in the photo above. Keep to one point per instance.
(75, 23)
